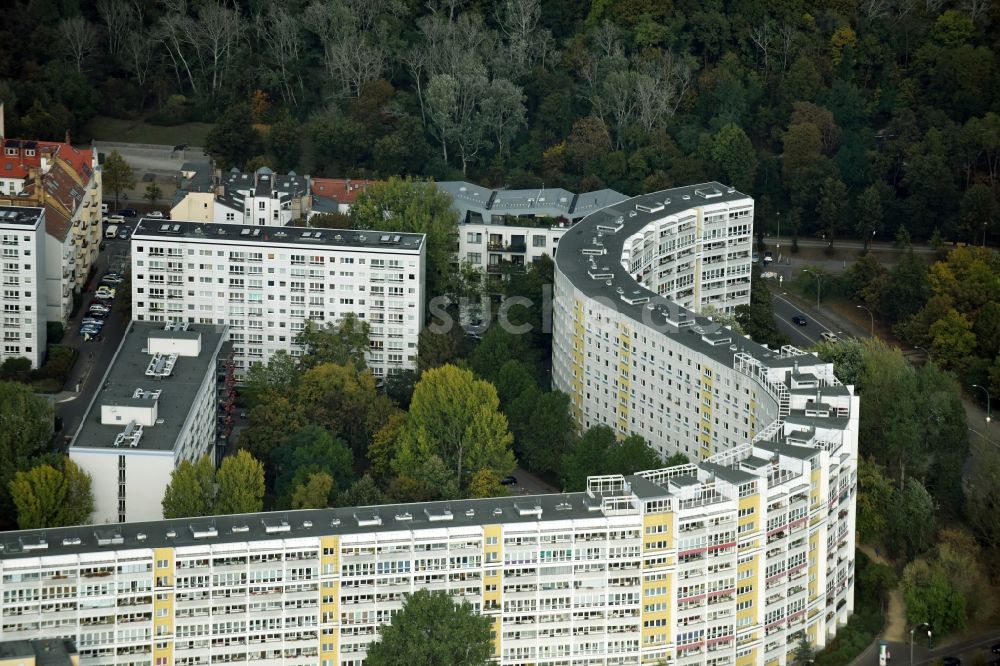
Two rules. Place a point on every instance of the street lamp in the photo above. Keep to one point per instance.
(912, 631)
(778, 215)
(987, 400)
(870, 316)
(819, 282)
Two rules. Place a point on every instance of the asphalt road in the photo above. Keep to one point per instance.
(968, 650)
(802, 337)
(95, 356)
(529, 484)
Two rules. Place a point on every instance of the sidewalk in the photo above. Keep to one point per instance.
(895, 615)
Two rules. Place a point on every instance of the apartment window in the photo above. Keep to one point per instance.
(538, 241)
(475, 258)
(472, 237)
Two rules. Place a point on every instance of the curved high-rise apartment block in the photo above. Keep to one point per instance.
(772, 496)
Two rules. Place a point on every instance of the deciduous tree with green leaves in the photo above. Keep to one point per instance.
(25, 432)
(432, 629)
(116, 175)
(341, 342)
(414, 206)
(456, 417)
(240, 485)
(46, 496)
(191, 491)
(314, 493)
(307, 452)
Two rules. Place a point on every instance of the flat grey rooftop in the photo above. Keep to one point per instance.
(254, 236)
(27, 216)
(303, 523)
(549, 202)
(656, 311)
(128, 373)
(41, 651)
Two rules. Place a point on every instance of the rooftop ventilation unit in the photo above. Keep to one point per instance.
(164, 227)
(384, 238)
(175, 326)
(635, 298)
(204, 531)
(655, 207)
(141, 394)
(130, 436)
(528, 509)
(276, 526)
(110, 537)
(708, 193)
(245, 232)
(368, 519)
(160, 365)
(437, 515)
(240, 529)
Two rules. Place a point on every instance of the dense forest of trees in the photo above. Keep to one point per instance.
(846, 118)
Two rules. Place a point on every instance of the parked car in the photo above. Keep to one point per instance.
(509, 480)
(123, 234)
(995, 649)
(98, 311)
(768, 257)
(105, 208)
(800, 320)
(155, 214)
(951, 661)
(829, 337)
(89, 329)
(97, 306)
(94, 321)
(112, 276)
(114, 219)
(128, 212)
(105, 289)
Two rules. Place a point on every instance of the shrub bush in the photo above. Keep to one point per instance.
(54, 332)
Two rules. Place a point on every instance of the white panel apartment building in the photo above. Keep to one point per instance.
(266, 283)
(157, 407)
(509, 229)
(22, 251)
(722, 563)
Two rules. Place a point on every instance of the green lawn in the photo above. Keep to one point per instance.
(102, 128)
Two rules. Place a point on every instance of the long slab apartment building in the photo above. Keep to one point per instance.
(723, 562)
(266, 282)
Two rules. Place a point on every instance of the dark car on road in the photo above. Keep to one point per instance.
(128, 212)
(995, 649)
(800, 320)
(951, 661)
(509, 481)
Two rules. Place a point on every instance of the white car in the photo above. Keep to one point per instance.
(829, 337)
(155, 214)
(105, 292)
(99, 309)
